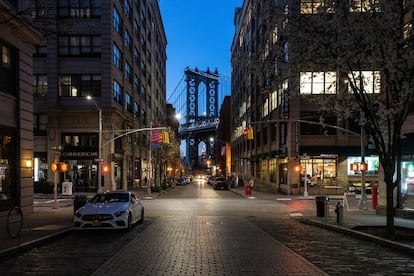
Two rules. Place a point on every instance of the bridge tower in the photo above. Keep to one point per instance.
(201, 121)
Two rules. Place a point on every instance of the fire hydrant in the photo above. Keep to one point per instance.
(248, 189)
(339, 210)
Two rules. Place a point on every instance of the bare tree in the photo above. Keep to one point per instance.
(369, 46)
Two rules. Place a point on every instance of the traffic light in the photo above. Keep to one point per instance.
(354, 167)
(59, 167)
(250, 133)
(363, 166)
(165, 137)
(105, 168)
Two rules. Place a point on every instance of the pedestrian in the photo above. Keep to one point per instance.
(145, 181)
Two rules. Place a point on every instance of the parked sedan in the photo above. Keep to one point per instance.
(111, 210)
(221, 183)
(181, 181)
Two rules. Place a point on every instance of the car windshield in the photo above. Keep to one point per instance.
(112, 197)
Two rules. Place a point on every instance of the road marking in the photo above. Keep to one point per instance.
(296, 214)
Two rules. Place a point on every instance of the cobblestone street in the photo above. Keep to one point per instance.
(206, 246)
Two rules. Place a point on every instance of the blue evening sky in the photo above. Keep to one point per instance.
(199, 34)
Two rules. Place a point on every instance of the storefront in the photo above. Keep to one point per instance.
(319, 170)
(8, 179)
(407, 172)
(80, 152)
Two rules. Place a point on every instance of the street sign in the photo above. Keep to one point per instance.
(99, 160)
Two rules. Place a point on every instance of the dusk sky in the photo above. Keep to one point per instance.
(199, 34)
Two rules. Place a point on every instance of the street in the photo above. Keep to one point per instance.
(194, 229)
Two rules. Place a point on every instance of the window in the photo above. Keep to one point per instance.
(117, 21)
(79, 85)
(40, 85)
(136, 109)
(128, 72)
(136, 27)
(317, 6)
(40, 51)
(79, 45)
(117, 57)
(80, 140)
(371, 82)
(273, 100)
(128, 10)
(136, 83)
(136, 56)
(117, 92)
(8, 69)
(286, 51)
(318, 83)
(127, 41)
(40, 124)
(364, 6)
(128, 105)
(372, 162)
(321, 171)
(79, 8)
(40, 9)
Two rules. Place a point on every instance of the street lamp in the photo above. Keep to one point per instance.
(100, 143)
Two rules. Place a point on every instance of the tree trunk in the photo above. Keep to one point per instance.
(390, 206)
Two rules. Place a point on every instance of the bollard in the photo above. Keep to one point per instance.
(339, 210)
(326, 207)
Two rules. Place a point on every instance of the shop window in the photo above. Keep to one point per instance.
(319, 171)
(372, 165)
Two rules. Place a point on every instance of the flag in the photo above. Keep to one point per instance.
(223, 151)
(156, 137)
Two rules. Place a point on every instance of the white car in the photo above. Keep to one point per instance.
(111, 210)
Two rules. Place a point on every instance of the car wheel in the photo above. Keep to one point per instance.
(129, 225)
(141, 220)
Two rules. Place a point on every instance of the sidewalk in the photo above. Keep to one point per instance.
(351, 219)
(46, 223)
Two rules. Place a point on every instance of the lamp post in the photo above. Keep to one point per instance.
(100, 143)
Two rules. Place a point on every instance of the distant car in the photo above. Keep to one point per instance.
(356, 188)
(111, 210)
(221, 183)
(188, 179)
(181, 181)
(211, 180)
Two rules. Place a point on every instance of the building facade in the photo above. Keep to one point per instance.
(17, 41)
(278, 89)
(114, 54)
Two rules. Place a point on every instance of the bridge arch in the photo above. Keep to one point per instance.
(201, 115)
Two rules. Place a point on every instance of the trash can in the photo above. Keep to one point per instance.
(79, 201)
(320, 205)
(67, 188)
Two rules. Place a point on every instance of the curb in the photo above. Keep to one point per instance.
(360, 235)
(26, 246)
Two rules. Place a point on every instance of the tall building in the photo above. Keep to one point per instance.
(98, 74)
(17, 41)
(278, 88)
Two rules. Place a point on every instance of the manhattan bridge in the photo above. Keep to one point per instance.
(197, 99)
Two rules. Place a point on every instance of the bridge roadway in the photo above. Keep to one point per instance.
(205, 245)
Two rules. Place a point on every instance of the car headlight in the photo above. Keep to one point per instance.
(78, 214)
(120, 213)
